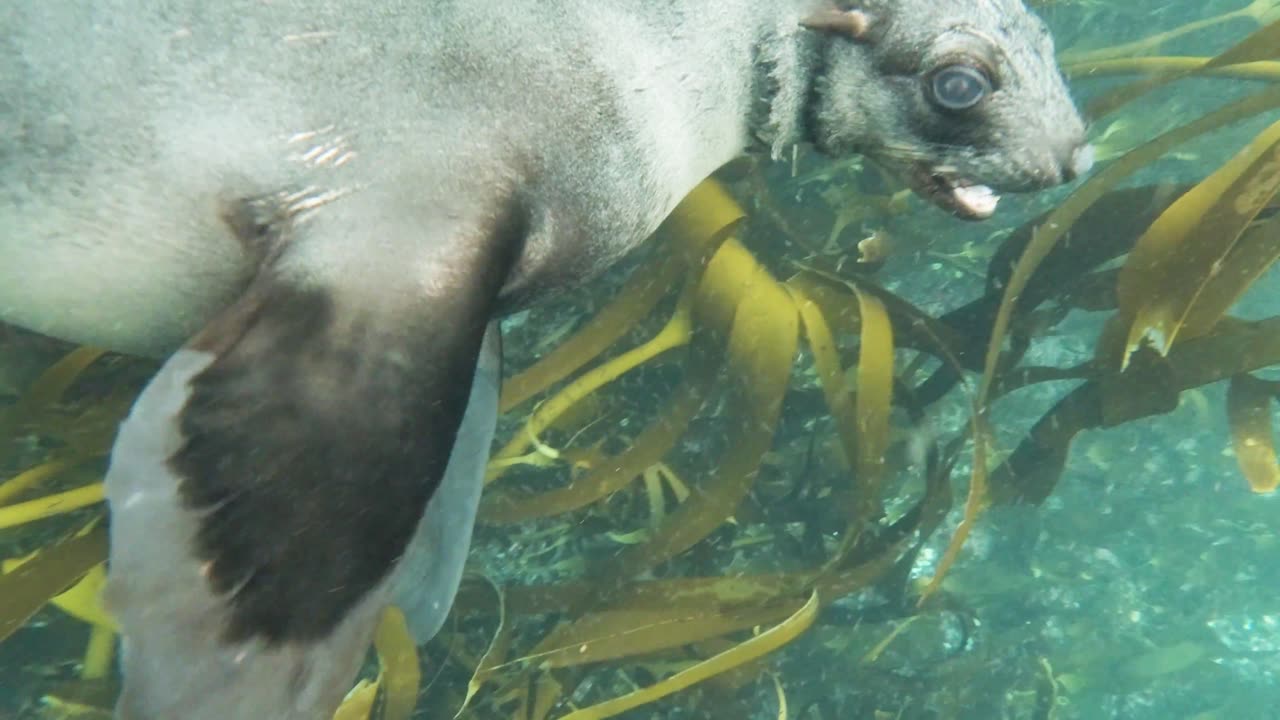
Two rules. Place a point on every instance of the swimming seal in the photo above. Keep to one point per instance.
(316, 211)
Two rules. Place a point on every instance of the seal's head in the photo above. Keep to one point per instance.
(961, 96)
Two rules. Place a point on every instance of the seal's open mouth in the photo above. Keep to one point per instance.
(965, 199)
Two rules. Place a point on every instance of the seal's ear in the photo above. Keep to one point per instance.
(853, 24)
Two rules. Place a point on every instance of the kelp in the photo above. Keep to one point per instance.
(1260, 46)
(493, 656)
(47, 390)
(1261, 12)
(28, 587)
(760, 645)
(677, 598)
(749, 326)
(1179, 262)
(1180, 64)
(50, 505)
(393, 694)
(1249, 411)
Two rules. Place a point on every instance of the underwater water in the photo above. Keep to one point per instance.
(701, 514)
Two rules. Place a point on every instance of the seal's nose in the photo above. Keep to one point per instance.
(1078, 163)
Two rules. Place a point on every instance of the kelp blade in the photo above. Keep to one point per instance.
(1261, 45)
(494, 655)
(739, 299)
(51, 505)
(756, 647)
(32, 477)
(702, 220)
(1249, 412)
(28, 588)
(1185, 247)
(615, 634)
(359, 703)
(672, 335)
(400, 674)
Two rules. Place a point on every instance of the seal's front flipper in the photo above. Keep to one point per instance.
(269, 479)
(428, 575)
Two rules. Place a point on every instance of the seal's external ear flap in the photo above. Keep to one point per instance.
(853, 24)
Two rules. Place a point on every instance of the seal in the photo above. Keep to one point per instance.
(316, 212)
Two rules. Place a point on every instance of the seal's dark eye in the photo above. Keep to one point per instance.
(959, 87)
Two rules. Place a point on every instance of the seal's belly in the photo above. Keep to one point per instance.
(110, 222)
(118, 165)
(134, 126)
(120, 276)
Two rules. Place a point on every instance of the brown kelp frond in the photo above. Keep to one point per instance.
(27, 586)
(1260, 46)
(393, 694)
(1181, 261)
(1261, 12)
(1249, 409)
(719, 664)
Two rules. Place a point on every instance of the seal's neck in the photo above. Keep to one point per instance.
(740, 72)
(787, 62)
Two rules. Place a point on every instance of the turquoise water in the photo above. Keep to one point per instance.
(1143, 587)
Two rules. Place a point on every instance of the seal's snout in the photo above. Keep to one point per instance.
(1079, 161)
(1055, 163)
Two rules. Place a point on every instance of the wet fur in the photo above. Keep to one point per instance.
(177, 658)
(119, 159)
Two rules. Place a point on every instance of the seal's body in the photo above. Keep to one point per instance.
(140, 124)
(315, 211)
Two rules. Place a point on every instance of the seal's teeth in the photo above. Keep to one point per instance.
(975, 200)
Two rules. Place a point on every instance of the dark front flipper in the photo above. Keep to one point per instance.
(268, 481)
(428, 575)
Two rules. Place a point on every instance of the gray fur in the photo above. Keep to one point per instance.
(1029, 130)
(114, 158)
(169, 168)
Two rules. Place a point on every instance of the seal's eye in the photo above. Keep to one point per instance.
(959, 87)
